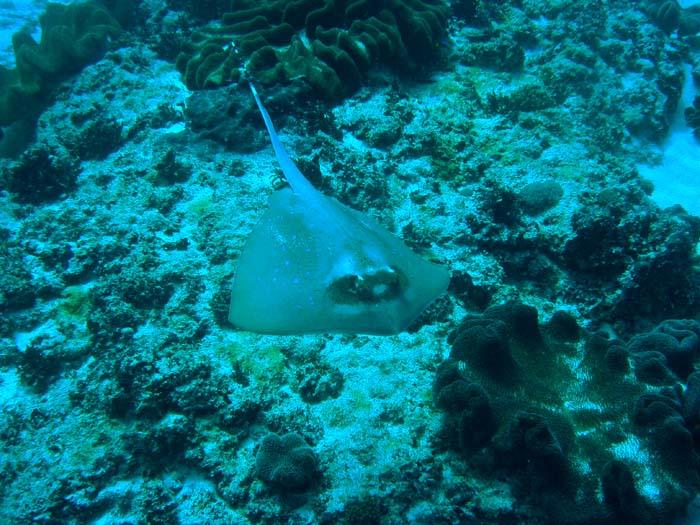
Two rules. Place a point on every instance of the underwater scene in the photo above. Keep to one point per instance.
(350, 262)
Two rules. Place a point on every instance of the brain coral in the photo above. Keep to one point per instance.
(328, 44)
(286, 462)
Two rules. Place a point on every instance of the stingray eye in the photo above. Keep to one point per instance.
(386, 283)
(371, 287)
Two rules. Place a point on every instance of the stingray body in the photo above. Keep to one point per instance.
(314, 265)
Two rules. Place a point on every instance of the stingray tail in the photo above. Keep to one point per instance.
(294, 177)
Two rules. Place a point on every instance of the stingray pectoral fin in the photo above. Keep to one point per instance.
(327, 268)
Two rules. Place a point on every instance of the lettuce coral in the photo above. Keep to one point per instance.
(72, 36)
(328, 44)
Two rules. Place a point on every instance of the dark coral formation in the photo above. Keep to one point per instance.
(692, 117)
(621, 495)
(341, 40)
(218, 115)
(285, 462)
(43, 173)
(670, 16)
(512, 409)
(644, 253)
(472, 296)
(72, 36)
(672, 346)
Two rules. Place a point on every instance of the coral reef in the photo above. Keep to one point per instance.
(511, 408)
(342, 40)
(72, 36)
(670, 16)
(510, 149)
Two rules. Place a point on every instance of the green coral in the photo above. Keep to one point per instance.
(75, 302)
(72, 36)
(329, 44)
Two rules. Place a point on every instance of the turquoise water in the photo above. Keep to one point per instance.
(453, 278)
(675, 179)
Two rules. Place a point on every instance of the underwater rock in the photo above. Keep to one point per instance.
(17, 291)
(623, 242)
(318, 382)
(692, 117)
(538, 197)
(225, 116)
(598, 246)
(45, 357)
(164, 444)
(500, 203)
(365, 510)
(170, 170)
(667, 270)
(471, 295)
(97, 139)
(111, 318)
(493, 49)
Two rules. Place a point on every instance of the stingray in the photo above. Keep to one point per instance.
(313, 265)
